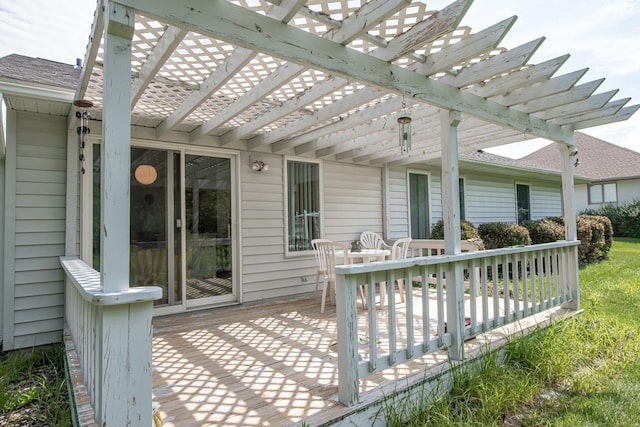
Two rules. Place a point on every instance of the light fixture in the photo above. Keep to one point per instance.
(404, 130)
(146, 174)
(576, 163)
(258, 165)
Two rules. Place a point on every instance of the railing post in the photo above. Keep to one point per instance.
(449, 121)
(568, 153)
(347, 325)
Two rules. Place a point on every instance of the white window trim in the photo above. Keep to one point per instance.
(285, 180)
(601, 185)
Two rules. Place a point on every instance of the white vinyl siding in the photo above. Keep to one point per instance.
(397, 198)
(38, 230)
(351, 203)
(490, 200)
(546, 201)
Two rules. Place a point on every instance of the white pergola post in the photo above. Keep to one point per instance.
(449, 121)
(123, 330)
(568, 154)
(115, 150)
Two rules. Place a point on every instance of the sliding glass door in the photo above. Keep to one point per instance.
(181, 226)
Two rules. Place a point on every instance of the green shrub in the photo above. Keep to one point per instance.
(595, 234)
(467, 231)
(501, 235)
(544, 231)
(625, 218)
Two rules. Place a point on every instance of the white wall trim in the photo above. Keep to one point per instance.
(10, 234)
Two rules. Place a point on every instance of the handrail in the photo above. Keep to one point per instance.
(439, 259)
(87, 281)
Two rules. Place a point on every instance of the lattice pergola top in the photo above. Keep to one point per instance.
(328, 78)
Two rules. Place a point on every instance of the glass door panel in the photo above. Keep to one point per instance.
(207, 225)
(149, 217)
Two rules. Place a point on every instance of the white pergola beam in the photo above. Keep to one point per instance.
(609, 109)
(467, 48)
(539, 90)
(163, 49)
(351, 125)
(576, 93)
(367, 17)
(496, 65)
(423, 32)
(97, 28)
(281, 137)
(622, 115)
(526, 76)
(444, 21)
(592, 103)
(243, 27)
(310, 95)
(232, 65)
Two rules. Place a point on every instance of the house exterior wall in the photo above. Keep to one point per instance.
(351, 203)
(628, 190)
(488, 198)
(34, 230)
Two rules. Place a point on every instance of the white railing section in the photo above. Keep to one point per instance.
(493, 288)
(112, 334)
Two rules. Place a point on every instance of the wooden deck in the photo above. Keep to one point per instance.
(269, 364)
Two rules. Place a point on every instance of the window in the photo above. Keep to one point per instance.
(303, 204)
(603, 193)
(419, 205)
(523, 202)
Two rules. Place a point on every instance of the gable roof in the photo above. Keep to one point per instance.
(40, 71)
(599, 160)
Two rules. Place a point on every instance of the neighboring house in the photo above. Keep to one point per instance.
(188, 164)
(613, 171)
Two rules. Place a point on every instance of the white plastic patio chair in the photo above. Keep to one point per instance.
(328, 254)
(399, 251)
(372, 240)
(322, 268)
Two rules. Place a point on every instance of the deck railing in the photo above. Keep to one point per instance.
(112, 335)
(448, 299)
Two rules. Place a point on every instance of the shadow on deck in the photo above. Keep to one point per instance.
(276, 364)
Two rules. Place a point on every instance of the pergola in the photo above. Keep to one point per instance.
(328, 79)
(316, 78)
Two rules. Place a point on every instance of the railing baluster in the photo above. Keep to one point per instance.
(391, 283)
(408, 300)
(474, 278)
(373, 323)
(485, 293)
(496, 293)
(426, 315)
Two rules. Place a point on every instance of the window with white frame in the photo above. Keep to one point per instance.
(603, 193)
(303, 204)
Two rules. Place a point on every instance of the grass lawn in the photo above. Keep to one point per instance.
(33, 389)
(581, 372)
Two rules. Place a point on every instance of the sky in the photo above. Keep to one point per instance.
(602, 35)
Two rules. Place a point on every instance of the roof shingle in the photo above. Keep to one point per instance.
(40, 71)
(599, 160)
